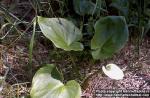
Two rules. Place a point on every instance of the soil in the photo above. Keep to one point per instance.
(136, 70)
(18, 82)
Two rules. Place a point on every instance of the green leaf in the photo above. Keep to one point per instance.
(122, 6)
(111, 34)
(32, 43)
(87, 7)
(63, 33)
(147, 8)
(51, 69)
(44, 85)
(83, 7)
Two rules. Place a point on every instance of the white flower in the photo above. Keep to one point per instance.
(113, 71)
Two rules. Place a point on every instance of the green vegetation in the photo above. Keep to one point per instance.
(72, 30)
(48, 85)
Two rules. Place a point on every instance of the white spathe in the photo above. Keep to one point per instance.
(113, 71)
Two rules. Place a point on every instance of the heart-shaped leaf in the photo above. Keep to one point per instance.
(111, 34)
(44, 85)
(63, 33)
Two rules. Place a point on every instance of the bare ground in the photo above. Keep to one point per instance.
(136, 70)
(18, 81)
